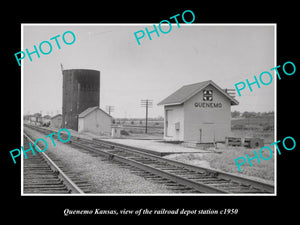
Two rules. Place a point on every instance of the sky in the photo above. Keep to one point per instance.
(225, 54)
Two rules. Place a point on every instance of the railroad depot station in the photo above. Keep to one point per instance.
(198, 112)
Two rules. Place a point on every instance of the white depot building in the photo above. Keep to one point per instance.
(198, 113)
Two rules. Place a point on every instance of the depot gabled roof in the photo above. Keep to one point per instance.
(187, 91)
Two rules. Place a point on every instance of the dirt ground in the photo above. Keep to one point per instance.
(223, 158)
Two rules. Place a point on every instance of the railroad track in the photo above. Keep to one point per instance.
(41, 175)
(182, 177)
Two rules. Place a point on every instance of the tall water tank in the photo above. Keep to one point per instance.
(81, 90)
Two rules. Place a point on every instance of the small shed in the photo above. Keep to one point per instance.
(199, 112)
(94, 120)
(56, 121)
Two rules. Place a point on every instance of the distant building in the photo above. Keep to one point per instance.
(46, 120)
(35, 119)
(56, 121)
(32, 120)
(26, 119)
(198, 113)
(94, 120)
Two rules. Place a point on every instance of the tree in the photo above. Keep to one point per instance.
(247, 114)
(235, 114)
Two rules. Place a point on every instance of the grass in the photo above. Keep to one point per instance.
(257, 120)
(225, 161)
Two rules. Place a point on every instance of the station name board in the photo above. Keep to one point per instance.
(208, 105)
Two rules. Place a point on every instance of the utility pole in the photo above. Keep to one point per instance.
(110, 108)
(146, 103)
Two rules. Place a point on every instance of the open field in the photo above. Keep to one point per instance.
(137, 126)
(259, 127)
(257, 122)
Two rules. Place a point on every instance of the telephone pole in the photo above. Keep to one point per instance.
(110, 108)
(146, 103)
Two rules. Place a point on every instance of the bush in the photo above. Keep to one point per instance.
(124, 132)
(248, 114)
(235, 114)
(239, 126)
(268, 127)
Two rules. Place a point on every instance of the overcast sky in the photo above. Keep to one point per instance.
(153, 70)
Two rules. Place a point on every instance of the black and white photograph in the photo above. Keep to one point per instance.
(161, 117)
(147, 111)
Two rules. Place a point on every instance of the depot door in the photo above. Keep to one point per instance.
(207, 133)
(169, 126)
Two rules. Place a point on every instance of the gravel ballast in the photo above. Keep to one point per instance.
(104, 176)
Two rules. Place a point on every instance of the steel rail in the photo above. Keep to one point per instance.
(178, 179)
(241, 180)
(61, 175)
(216, 173)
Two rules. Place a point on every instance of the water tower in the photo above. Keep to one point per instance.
(81, 90)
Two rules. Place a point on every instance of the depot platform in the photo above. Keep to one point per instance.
(155, 147)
